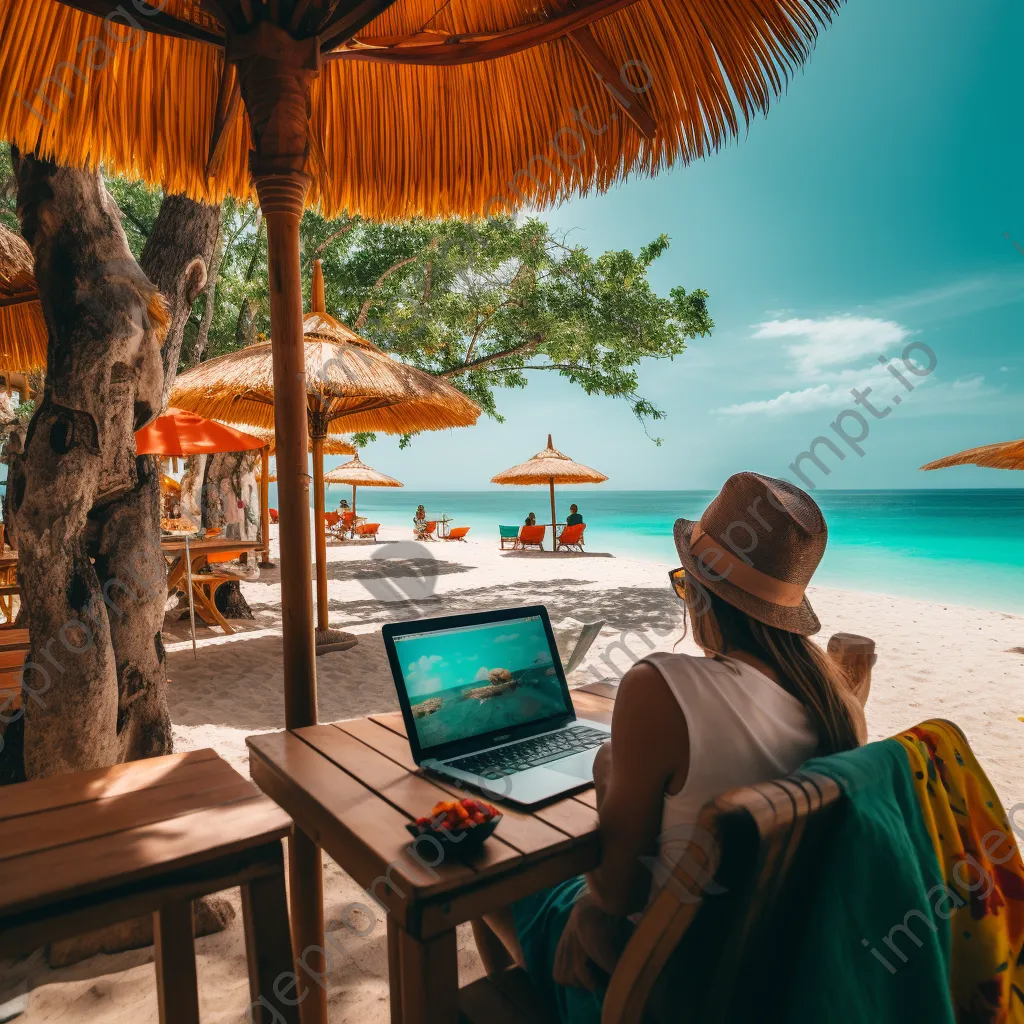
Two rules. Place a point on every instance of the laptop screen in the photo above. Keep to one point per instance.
(475, 679)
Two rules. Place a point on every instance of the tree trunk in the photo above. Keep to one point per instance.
(95, 685)
(230, 483)
(192, 488)
(210, 302)
(105, 380)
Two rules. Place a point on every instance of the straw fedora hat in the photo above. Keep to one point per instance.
(757, 546)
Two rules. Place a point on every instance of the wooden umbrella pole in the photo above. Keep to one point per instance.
(266, 563)
(275, 72)
(353, 523)
(321, 532)
(554, 527)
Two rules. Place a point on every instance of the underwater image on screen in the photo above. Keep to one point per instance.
(475, 679)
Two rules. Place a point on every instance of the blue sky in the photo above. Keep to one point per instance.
(866, 212)
(440, 661)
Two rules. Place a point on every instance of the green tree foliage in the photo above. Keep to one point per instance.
(486, 304)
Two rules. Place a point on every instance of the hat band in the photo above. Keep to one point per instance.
(717, 563)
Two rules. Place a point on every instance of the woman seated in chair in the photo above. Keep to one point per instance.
(762, 700)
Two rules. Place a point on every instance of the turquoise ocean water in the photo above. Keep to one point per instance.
(953, 546)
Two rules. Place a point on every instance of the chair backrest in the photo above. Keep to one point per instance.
(733, 911)
(458, 531)
(332, 518)
(431, 525)
(368, 528)
(273, 514)
(572, 534)
(508, 532)
(531, 534)
(346, 517)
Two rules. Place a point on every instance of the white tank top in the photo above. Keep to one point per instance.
(743, 728)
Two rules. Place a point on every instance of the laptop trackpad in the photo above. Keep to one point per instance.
(576, 766)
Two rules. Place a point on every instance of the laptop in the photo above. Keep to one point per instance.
(486, 704)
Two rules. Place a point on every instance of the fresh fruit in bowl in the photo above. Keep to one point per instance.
(458, 825)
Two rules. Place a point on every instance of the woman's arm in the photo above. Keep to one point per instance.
(649, 749)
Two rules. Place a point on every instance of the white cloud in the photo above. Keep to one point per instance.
(788, 403)
(506, 638)
(423, 664)
(817, 346)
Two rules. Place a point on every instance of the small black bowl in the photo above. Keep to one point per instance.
(458, 842)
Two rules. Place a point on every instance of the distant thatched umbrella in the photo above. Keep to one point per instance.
(1004, 455)
(358, 474)
(23, 334)
(350, 385)
(550, 467)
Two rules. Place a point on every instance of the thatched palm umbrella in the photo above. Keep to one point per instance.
(358, 474)
(23, 335)
(349, 383)
(550, 467)
(1003, 455)
(384, 108)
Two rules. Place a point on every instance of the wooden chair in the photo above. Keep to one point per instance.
(368, 530)
(206, 584)
(3, 527)
(509, 534)
(716, 946)
(737, 946)
(571, 537)
(87, 850)
(531, 537)
(457, 533)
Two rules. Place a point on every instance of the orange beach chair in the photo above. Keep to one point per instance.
(571, 537)
(458, 533)
(368, 530)
(532, 537)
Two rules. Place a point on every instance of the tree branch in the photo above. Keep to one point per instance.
(476, 364)
(136, 223)
(364, 310)
(332, 238)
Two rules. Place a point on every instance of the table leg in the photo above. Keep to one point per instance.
(175, 955)
(305, 873)
(268, 950)
(208, 607)
(426, 974)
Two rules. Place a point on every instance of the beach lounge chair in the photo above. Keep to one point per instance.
(333, 525)
(531, 537)
(273, 514)
(427, 533)
(457, 533)
(571, 538)
(368, 530)
(509, 535)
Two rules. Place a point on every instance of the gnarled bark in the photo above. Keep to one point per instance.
(95, 686)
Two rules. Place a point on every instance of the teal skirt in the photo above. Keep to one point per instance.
(540, 920)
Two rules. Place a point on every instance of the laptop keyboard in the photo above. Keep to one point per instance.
(518, 757)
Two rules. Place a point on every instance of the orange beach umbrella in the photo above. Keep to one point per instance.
(178, 433)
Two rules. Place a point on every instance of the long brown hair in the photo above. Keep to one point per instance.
(804, 669)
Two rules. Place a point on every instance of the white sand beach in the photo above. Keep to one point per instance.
(934, 660)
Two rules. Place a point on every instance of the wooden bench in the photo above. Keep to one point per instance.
(90, 849)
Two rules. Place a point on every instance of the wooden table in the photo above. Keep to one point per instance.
(90, 849)
(352, 787)
(173, 550)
